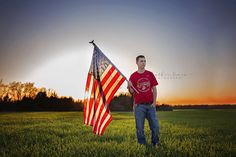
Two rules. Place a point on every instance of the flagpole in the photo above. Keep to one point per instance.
(92, 42)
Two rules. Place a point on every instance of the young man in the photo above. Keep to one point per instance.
(142, 85)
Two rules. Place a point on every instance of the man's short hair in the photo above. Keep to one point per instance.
(139, 56)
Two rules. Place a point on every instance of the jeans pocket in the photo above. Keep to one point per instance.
(135, 106)
(153, 107)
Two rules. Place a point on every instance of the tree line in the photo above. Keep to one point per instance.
(18, 96)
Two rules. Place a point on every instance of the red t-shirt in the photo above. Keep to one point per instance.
(143, 82)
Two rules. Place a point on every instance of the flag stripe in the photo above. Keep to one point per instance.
(105, 75)
(111, 83)
(115, 89)
(98, 104)
(107, 109)
(86, 95)
(101, 106)
(102, 112)
(108, 80)
(103, 81)
(108, 71)
(105, 124)
(90, 102)
(109, 95)
(90, 77)
(91, 105)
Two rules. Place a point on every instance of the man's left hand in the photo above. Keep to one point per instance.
(153, 105)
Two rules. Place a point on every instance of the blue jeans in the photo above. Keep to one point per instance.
(142, 111)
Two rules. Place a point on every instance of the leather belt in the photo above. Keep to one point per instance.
(146, 103)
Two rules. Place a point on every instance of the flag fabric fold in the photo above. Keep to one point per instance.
(103, 80)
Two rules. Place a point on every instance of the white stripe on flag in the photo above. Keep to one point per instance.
(89, 96)
(107, 96)
(105, 121)
(101, 100)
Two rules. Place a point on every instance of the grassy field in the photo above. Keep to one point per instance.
(183, 133)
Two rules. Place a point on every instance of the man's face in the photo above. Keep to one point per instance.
(141, 63)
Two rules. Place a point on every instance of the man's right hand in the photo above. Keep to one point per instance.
(130, 85)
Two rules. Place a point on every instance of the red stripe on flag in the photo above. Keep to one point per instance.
(113, 80)
(103, 103)
(107, 123)
(86, 99)
(108, 74)
(107, 102)
(96, 118)
(88, 82)
(109, 99)
(106, 77)
(91, 103)
(115, 89)
(96, 106)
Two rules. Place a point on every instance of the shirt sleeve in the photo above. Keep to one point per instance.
(153, 80)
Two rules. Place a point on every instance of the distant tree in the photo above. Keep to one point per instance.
(41, 95)
(122, 102)
(52, 93)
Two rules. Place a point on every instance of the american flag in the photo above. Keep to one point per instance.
(103, 80)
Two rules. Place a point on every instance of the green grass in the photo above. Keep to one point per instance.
(183, 133)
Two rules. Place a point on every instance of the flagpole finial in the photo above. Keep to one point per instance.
(92, 42)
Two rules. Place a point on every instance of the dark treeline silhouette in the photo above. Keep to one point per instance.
(42, 103)
(122, 102)
(164, 107)
(205, 106)
(17, 96)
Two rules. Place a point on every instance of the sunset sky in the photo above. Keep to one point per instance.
(189, 45)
